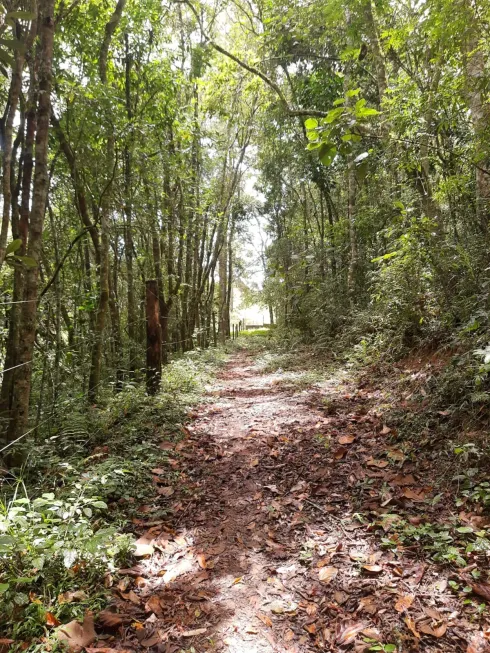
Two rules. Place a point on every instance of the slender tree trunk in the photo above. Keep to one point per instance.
(477, 80)
(153, 338)
(21, 395)
(128, 227)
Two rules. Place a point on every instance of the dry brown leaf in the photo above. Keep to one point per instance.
(104, 649)
(411, 626)
(194, 633)
(71, 597)
(131, 596)
(339, 453)
(403, 479)
(110, 619)
(404, 602)
(254, 462)
(153, 605)
(265, 619)
(347, 439)
(371, 462)
(5, 644)
(367, 604)
(482, 589)
(166, 491)
(289, 635)
(51, 620)
(216, 550)
(347, 631)
(373, 569)
(153, 640)
(327, 574)
(435, 631)
(311, 628)
(77, 636)
(201, 559)
(385, 430)
(143, 546)
(414, 495)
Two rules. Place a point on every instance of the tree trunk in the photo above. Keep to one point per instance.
(153, 338)
(22, 387)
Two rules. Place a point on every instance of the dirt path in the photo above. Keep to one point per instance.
(264, 551)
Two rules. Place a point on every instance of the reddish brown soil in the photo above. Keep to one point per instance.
(264, 550)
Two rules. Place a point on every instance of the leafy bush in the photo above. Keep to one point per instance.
(49, 545)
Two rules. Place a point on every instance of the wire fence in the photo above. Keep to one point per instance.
(67, 403)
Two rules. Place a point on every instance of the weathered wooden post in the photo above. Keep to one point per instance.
(153, 338)
(215, 335)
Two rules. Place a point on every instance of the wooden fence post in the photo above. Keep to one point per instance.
(153, 338)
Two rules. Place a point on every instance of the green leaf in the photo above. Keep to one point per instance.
(28, 261)
(339, 101)
(13, 44)
(20, 15)
(13, 246)
(311, 123)
(333, 114)
(353, 93)
(327, 153)
(3, 587)
(6, 58)
(464, 529)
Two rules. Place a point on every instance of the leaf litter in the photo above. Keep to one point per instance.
(274, 542)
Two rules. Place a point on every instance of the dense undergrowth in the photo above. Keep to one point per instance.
(66, 515)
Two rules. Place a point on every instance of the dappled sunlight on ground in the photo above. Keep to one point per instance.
(275, 539)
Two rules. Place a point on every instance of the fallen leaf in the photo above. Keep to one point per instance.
(250, 630)
(411, 626)
(434, 631)
(348, 631)
(265, 619)
(143, 546)
(339, 453)
(194, 633)
(201, 559)
(71, 597)
(104, 649)
(373, 569)
(311, 628)
(153, 605)
(166, 491)
(371, 462)
(367, 604)
(254, 462)
(385, 430)
(51, 620)
(78, 635)
(401, 479)
(153, 640)
(414, 495)
(347, 439)
(110, 619)
(327, 574)
(5, 644)
(216, 550)
(289, 635)
(404, 602)
(482, 589)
